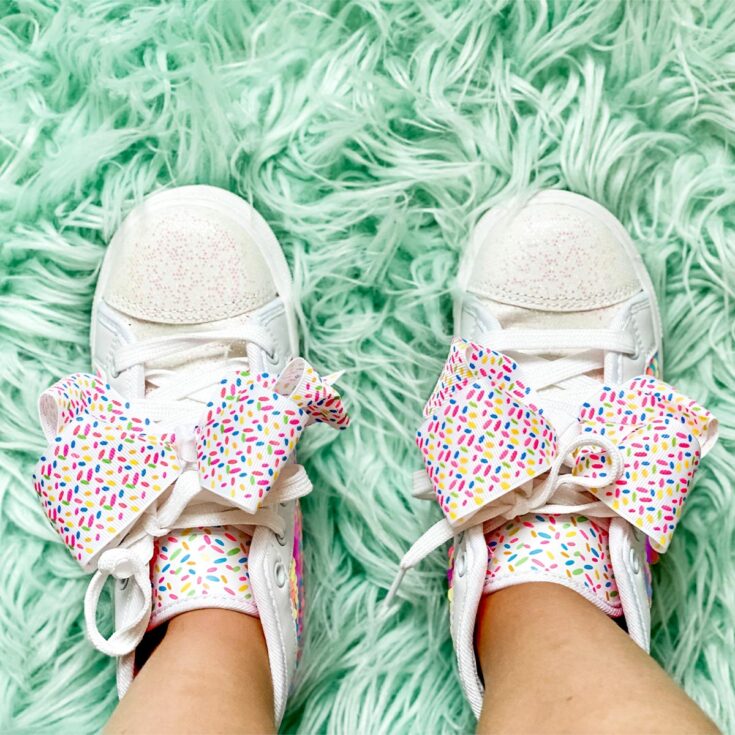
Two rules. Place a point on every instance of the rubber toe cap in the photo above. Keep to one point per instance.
(553, 257)
(185, 263)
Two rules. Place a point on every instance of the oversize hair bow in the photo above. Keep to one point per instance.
(485, 435)
(107, 462)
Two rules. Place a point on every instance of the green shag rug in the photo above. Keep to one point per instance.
(371, 135)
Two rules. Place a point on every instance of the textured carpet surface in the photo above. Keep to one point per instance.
(371, 135)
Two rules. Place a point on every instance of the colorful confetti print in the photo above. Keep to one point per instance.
(205, 566)
(104, 466)
(653, 366)
(251, 430)
(483, 437)
(208, 567)
(469, 361)
(480, 440)
(296, 580)
(450, 575)
(661, 436)
(571, 550)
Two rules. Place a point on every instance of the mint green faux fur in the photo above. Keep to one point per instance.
(371, 135)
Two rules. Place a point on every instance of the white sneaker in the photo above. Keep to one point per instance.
(543, 473)
(178, 477)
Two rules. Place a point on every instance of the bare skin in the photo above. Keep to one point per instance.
(553, 663)
(209, 674)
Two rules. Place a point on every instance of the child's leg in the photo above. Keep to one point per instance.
(209, 674)
(554, 663)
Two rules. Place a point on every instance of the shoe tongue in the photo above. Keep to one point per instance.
(561, 405)
(571, 550)
(203, 567)
(213, 355)
(193, 360)
(515, 317)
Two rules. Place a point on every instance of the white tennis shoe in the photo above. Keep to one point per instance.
(555, 451)
(173, 469)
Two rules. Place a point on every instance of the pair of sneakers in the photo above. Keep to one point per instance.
(555, 452)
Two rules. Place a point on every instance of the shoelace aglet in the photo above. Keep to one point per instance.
(387, 603)
(421, 486)
(332, 378)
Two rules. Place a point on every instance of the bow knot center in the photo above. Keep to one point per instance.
(120, 563)
(186, 443)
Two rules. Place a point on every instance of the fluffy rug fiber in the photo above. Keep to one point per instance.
(371, 135)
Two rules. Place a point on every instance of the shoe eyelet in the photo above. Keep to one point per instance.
(281, 538)
(280, 571)
(635, 561)
(114, 372)
(460, 566)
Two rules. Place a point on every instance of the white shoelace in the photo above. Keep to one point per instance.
(563, 382)
(130, 561)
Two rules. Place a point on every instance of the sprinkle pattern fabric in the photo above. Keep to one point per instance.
(662, 436)
(251, 429)
(206, 565)
(484, 436)
(209, 567)
(568, 549)
(296, 580)
(653, 366)
(481, 438)
(105, 466)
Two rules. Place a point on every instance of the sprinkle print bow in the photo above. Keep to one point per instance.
(107, 463)
(484, 435)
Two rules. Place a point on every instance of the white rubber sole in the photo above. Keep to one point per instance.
(230, 205)
(494, 217)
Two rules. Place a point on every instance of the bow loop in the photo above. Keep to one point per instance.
(313, 394)
(482, 437)
(249, 433)
(103, 467)
(662, 435)
(75, 396)
(469, 361)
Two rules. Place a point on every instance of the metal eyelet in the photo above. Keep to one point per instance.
(635, 561)
(460, 566)
(281, 576)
